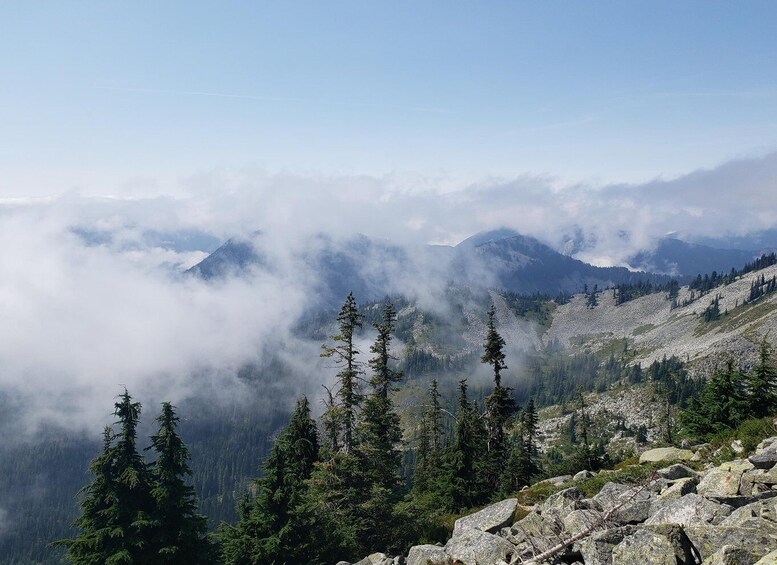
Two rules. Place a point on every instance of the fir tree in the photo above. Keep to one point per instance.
(761, 385)
(95, 543)
(499, 405)
(468, 452)
(345, 353)
(180, 532)
(379, 430)
(275, 526)
(116, 526)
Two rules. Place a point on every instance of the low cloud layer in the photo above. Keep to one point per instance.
(90, 301)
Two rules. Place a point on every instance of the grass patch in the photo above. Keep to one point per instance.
(643, 329)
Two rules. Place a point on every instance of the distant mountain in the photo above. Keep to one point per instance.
(761, 241)
(374, 268)
(675, 257)
(234, 257)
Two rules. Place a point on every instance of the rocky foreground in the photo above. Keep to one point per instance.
(724, 515)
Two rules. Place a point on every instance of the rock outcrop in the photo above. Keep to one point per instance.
(726, 515)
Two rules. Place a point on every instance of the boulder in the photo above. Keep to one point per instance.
(427, 555)
(766, 444)
(580, 520)
(725, 479)
(644, 547)
(688, 510)
(557, 481)
(534, 533)
(474, 547)
(766, 459)
(768, 559)
(597, 548)
(636, 505)
(490, 519)
(763, 509)
(676, 471)
(563, 502)
(665, 454)
(375, 559)
(582, 475)
(729, 555)
(707, 539)
(679, 488)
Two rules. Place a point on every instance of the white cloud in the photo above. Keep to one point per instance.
(79, 320)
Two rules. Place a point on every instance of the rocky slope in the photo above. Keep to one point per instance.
(721, 515)
(654, 330)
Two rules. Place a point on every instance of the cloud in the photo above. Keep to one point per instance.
(90, 301)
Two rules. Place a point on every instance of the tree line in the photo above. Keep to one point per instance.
(329, 490)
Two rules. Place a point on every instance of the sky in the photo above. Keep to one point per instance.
(160, 129)
(122, 99)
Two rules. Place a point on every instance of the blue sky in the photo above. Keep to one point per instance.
(106, 96)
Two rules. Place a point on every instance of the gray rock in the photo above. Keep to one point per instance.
(579, 520)
(427, 555)
(676, 471)
(582, 475)
(766, 459)
(679, 488)
(375, 559)
(765, 510)
(563, 502)
(597, 549)
(768, 559)
(490, 519)
(644, 547)
(665, 454)
(766, 444)
(534, 533)
(474, 547)
(557, 481)
(729, 555)
(707, 539)
(688, 510)
(636, 506)
(725, 479)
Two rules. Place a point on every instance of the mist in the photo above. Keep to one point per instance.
(91, 303)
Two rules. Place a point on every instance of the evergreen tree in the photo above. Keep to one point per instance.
(180, 532)
(761, 385)
(275, 526)
(95, 543)
(468, 453)
(116, 526)
(499, 405)
(379, 430)
(345, 352)
(379, 435)
(721, 404)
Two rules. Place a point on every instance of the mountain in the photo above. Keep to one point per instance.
(374, 268)
(236, 255)
(679, 258)
(523, 264)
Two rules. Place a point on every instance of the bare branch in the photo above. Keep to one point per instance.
(602, 521)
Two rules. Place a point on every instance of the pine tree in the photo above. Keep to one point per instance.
(276, 526)
(379, 435)
(761, 385)
(468, 452)
(116, 526)
(180, 532)
(345, 353)
(95, 543)
(379, 431)
(499, 405)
